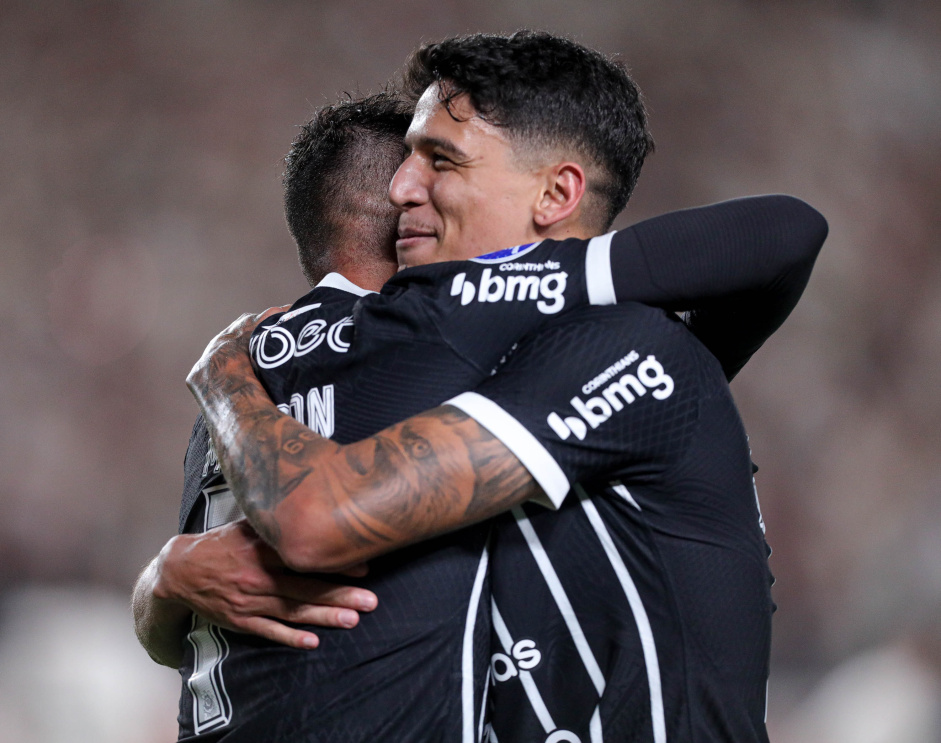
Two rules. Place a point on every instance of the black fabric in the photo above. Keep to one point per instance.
(692, 545)
(433, 332)
(739, 266)
(193, 465)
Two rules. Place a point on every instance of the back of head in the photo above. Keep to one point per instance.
(550, 95)
(336, 181)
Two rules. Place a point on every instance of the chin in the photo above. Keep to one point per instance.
(419, 255)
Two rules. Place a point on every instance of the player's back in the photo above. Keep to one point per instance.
(641, 609)
(406, 672)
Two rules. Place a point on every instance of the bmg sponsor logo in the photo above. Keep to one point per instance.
(548, 290)
(594, 411)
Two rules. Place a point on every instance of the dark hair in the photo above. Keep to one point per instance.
(347, 153)
(547, 92)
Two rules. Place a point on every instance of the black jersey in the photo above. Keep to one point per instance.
(641, 610)
(413, 670)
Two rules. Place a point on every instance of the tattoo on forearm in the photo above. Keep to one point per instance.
(261, 452)
(427, 475)
(432, 473)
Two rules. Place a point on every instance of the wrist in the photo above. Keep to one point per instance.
(164, 585)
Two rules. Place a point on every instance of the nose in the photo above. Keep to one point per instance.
(408, 188)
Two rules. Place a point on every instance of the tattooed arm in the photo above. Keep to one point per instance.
(323, 505)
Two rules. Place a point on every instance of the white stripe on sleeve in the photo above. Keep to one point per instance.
(515, 437)
(598, 270)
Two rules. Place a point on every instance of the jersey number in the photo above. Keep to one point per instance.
(211, 705)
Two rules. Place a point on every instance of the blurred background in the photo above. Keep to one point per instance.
(140, 212)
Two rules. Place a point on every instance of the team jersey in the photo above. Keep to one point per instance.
(414, 669)
(641, 610)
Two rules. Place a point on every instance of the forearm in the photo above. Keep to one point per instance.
(161, 624)
(740, 267)
(323, 506)
(250, 437)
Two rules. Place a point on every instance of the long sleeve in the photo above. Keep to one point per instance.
(739, 267)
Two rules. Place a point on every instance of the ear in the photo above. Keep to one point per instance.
(564, 188)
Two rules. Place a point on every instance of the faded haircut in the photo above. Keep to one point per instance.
(336, 179)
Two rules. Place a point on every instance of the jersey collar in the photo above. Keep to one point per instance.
(501, 256)
(339, 281)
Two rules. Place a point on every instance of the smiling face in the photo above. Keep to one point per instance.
(462, 190)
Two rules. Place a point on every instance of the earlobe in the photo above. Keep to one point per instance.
(559, 201)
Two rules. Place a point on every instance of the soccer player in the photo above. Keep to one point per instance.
(354, 513)
(381, 534)
(337, 209)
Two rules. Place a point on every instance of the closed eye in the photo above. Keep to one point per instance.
(440, 161)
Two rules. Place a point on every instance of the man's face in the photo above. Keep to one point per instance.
(461, 190)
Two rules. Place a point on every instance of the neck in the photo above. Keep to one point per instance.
(565, 230)
(368, 274)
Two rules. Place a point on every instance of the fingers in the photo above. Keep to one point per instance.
(280, 633)
(356, 571)
(311, 591)
(271, 311)
(321, 616)
(274, 630)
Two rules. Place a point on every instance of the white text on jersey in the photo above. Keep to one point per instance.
(315, 410)
(548, 289)
(596, 410)
(524, 652)
(275, 345)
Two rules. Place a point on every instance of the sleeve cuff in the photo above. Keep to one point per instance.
(527, 448)
(598, 271)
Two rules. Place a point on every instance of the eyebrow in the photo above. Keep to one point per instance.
(444, 145)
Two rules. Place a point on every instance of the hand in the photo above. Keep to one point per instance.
(229, 345)
(232, 578)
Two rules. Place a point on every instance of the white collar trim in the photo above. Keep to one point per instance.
(339, 281)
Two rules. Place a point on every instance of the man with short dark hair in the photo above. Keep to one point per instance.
(347, 151)
(338, 218)
(553, 100)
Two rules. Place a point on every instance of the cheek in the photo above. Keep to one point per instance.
(474, 220)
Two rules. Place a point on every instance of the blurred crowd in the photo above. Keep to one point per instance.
(141, 146)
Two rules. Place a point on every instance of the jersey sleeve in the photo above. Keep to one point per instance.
(194, 466)
(608, 392)
(738, 266)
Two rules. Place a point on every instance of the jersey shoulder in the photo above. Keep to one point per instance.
(321, 320)
(480, 307)
(549, 274)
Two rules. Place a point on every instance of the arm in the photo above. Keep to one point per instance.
(161, 625)
(230, 577)
(739, 266)
(323, 505)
